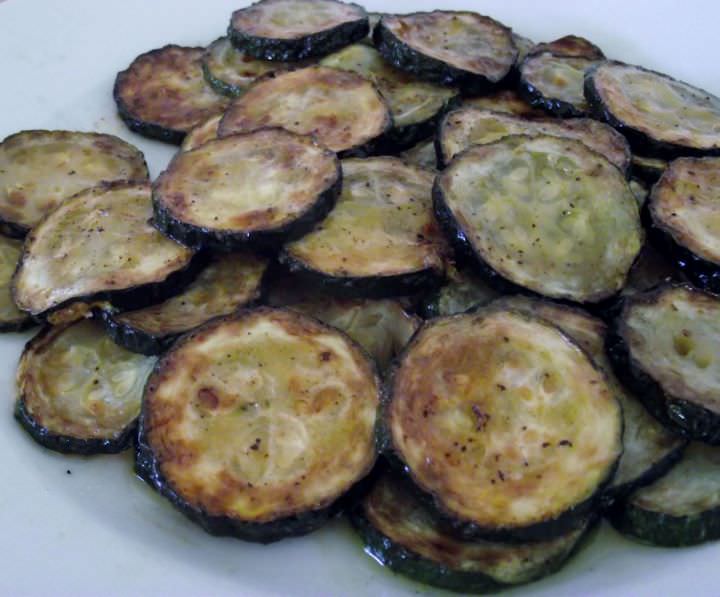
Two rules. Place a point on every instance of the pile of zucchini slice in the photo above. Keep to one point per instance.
(413, 268)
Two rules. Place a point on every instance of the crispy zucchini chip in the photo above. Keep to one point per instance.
(78, 391)
(659, 115)
(380, 240)
(546, 214)
(202, 133)
(99, 245)
(506, 101)
(40, 169)
(293, 30)
(257, 189)
(255, 424)
(571, 45)
(471, 126)
(163, 94)
(11, 318)
(489, 414)
(421, 155)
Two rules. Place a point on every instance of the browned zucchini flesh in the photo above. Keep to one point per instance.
(571, 45)
(202, 133)
(506, 101)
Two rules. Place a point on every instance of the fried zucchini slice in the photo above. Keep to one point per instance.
(506, 101)
(292, 30)
(255, 424)
(40, 169)
(415, 105)
(471, 126)
(681, 508)
(342, 110)
(684, 210)
(99, 245)
(649, 449)
(649, 170)
(421, 155)
(78, 391)
(664, 346)
(463, 291)
(163, 93)
(555, 83)
(257, 189)
(202, 133)
(380, 240)
(228, 282)
(462, 49)
(659, 115)
(489, 414)
(546, 214)
(571, 45)
(11, 318)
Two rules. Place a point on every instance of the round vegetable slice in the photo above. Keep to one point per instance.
(664, 346)
(400, 533)
(380, 240)
(571, 45)
(681, 508)
(421, 155)
(344, 111)
(257, 189)
(545, 214)
(202, 133)
(659, 115)
(228, 282)
(649, 170)
(471, 126)
(11, 318)
(78, 391)
(415, 105)
(489, 414)
(506, 101)
(98, 245)
(255, 424)
(555, 83)
(163, 94)
(293, 30)
(463, 291)
(456, 48)
(40, 169)
(684, 209)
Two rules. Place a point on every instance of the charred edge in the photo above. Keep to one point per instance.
(556, 107)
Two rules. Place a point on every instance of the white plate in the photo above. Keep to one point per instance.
(87, 526)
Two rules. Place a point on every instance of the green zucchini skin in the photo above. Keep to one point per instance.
(146, 129)
(135, 340)
(553, 106)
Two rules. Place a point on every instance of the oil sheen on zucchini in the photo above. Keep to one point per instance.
(380, 240)
(681, 508)
(342, 110)
(489, 415)
(660, 116)
(163, 94)
(684, 209)
(40, 169)
(99, 245)
(665, 346)
(255, 424)
(11, 318)
(78, 391)
(292, 30)
(414, 104)
(472, 126)
(256, 189)
(228, 282)
(402, 534)
(543, 213)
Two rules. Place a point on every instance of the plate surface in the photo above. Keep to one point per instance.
(87, 526)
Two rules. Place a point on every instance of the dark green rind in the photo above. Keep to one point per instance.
(553, 106)
(428, 68)
(640, 142)
(218, 85)
(19, 325)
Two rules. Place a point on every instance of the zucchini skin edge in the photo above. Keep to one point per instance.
(556, 107)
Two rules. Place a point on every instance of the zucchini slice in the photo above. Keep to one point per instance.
(40, 169)
(344, 111)
(380, 240)
(255, 424)
(292, 30)
(659, 115)
(462, 49)
(421, 155)
(11, 318)
(463, 291)
(571, 45)
(228, 282)
(649, 449)
(506, 101)
(257, 189)
(681, 508)
(684, 209)
(471, 126)
(415, 105)
(543, 213)
(489, 415)
(402, 534)
(555, 83)
(78, 391)
(163, 93)
(202, 133)
(665, 345)
(649, 170)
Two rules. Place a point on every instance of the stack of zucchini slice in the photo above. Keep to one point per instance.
(397, 268)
